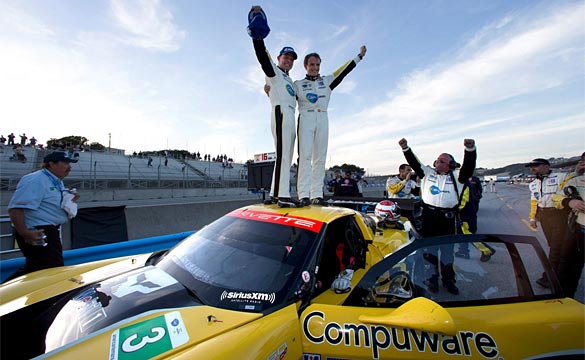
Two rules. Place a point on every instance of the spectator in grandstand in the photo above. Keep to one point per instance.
(440, 189)
(150, 161)
(402, 185)
(2, 140)
(11, 139)
(23, 139)
(37, 211)
(33, 142)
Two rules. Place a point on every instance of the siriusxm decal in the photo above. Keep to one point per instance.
(290, 90)
(255, 297)
(435, 190)
(312, 98)
(380, 338)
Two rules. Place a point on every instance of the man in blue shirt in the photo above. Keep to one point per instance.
(37, 211)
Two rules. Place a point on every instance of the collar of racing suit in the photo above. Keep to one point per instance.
(312, 77)
(540, 177)
(284, 71)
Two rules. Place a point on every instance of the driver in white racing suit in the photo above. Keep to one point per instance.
(313, 95)
(282, 98)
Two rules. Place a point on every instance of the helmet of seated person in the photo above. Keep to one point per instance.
(387, 212)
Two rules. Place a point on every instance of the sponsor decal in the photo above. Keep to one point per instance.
(312, 98)
(290, 89)
(280, 353)
(434, 190)
(311, 357)
(306, 276)
(299, 222)
(149, 338)
(382, 339)
(321, 83)
(249, 297)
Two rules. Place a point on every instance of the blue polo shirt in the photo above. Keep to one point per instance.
(40, 194)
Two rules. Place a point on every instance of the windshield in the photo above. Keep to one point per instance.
(247, 260)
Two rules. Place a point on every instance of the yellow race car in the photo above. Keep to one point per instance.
(318, 282)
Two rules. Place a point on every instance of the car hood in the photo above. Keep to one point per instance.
(123, 305)
(173, 329)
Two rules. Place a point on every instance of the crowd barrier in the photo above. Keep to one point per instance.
(101, 252)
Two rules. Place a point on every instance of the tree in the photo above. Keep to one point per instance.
(348, 167)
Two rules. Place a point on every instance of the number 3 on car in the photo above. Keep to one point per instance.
(148, 338)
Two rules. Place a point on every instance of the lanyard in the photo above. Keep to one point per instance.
(57, 183)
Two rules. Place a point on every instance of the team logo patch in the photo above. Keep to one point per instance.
(312, 98)
(290, 90)
(434, 190)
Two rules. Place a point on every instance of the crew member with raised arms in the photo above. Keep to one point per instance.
(440, 188)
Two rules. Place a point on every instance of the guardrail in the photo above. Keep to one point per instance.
(101, 252)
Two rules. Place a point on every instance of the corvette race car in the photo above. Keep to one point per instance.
(317, 282)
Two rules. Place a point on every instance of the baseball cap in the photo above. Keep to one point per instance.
(536, 162)
(57, 156)
(288, 49)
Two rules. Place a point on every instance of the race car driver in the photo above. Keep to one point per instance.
(313, 95)
(282, 99)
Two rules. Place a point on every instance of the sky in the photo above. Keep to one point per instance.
(162, 74)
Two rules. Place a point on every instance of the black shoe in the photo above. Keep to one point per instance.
(288, 202)
(463, 255)
(305, 202)
(271, 201)
(317, 201)
(543, 282)
(450, 286)
(487, 257)
(432, 285)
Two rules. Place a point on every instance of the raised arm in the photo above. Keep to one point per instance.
(346, 68)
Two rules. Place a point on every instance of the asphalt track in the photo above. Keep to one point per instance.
(505, 211)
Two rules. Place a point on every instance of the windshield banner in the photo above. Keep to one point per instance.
(299, 222)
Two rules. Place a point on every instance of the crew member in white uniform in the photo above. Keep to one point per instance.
(313, 94)
(439, 190)
(282, 98)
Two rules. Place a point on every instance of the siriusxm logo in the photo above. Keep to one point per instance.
(312, 98)
(248, 296)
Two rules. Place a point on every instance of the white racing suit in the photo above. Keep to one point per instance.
(313, 129)
(282, 99)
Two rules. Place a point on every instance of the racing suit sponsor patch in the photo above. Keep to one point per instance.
(290, 90)
(312, 98)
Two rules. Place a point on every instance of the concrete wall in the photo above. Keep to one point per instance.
(147, 221)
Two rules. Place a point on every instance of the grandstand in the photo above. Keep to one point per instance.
(113, 169)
